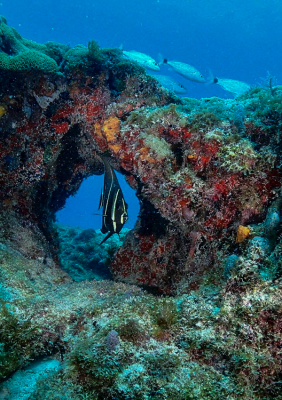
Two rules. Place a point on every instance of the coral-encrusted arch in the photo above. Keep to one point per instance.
(198, 179)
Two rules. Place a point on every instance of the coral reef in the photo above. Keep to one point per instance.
(18, 54)
(207, 174)
(199, 168)
(81, 255)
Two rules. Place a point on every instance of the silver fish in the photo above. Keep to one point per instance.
(185, 70)
(170, 84)
(142, 59)
(232, 86)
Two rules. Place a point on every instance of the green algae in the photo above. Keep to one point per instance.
(204, 120)
(16, 340)
(18, 54)
(28, 61)
(165, 314)
(131, 330)
(95, 54)
(56, 51)
(96, 363)
(77, 57)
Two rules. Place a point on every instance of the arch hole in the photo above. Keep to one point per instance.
(78, 225)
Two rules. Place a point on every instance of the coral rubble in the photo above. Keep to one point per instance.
(207, 174)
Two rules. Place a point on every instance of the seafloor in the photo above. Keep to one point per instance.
(187, 305)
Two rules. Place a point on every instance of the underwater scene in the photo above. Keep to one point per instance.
(141, 203)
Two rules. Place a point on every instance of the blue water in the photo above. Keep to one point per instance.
(82, 209)
(236, 39)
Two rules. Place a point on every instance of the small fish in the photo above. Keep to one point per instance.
(185, 70)
(170, 84)
(143, 59)
(112, 200)
(232, 86)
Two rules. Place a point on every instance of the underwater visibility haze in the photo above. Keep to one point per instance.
(140, 217)
(235, 39)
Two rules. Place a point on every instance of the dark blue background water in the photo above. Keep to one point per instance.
(238, 39)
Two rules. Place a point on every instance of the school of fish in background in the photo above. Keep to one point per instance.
(235, 87)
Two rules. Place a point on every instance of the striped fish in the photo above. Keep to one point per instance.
(112, 200)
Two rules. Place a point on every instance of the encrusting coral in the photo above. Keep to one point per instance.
(208, 176)
(19, 54)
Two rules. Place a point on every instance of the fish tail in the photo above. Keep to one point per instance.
(211, 78)
(161, 59)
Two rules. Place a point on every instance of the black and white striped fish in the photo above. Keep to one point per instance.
(112, 200)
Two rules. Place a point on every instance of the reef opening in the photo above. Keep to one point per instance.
(78, 228)
(81, 209)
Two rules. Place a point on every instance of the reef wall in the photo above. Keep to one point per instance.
(206, 172)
